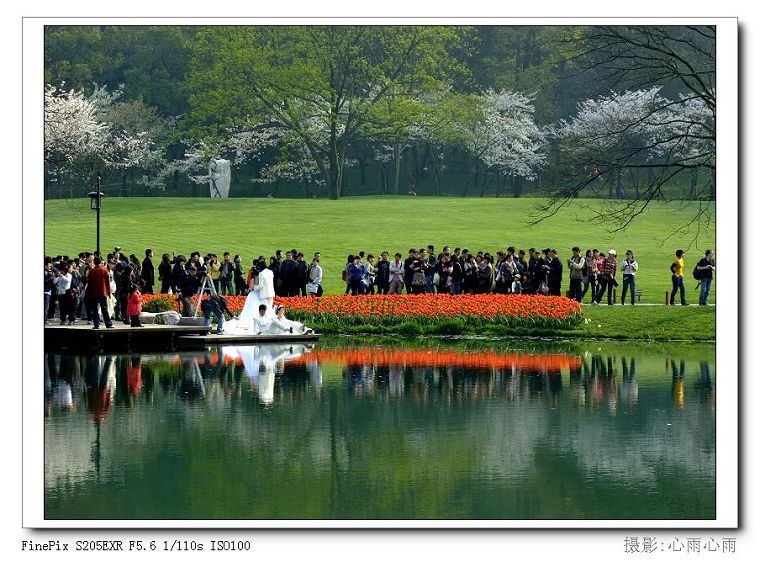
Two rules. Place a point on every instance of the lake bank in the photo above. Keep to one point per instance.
(645, 323)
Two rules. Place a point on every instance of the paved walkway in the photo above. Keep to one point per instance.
(644, 304)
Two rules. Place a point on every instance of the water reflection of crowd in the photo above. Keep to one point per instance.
(285, 374)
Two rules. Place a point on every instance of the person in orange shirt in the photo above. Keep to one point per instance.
(676, 268)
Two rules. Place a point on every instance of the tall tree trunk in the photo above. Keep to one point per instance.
(383, 180)
(397, 166)
(416, 167)
(341, 167)
(487, 179)
(436, 172)
(693, 183)
(362, 172)
(638, 183)
(474, 179)
(611, 184)
(517, 186)
(712, 185)
(334, 172)
(620, 191)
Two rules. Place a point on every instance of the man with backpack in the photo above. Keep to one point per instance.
(703, 272)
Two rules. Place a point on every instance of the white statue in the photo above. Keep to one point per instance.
(219, 178)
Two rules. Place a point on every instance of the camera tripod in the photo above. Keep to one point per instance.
(206, 285)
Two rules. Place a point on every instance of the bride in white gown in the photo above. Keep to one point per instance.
(261, 291)
(282, 325)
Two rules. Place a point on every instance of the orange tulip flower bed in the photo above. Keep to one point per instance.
(426, 313)
(453, 312)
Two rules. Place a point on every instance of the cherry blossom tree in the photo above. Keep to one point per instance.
(631, 132)
(72, 129)
(505, 136)
(658, 134)
(85, 137)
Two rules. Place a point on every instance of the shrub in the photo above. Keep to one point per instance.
(160, 303)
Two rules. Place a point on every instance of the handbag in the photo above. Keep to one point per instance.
(543, 288)
(418, 278)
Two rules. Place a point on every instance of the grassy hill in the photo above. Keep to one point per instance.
(250, 227)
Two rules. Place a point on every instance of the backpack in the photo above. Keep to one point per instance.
(697, 273)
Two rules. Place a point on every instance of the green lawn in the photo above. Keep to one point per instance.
(648, 323)
(337, 228)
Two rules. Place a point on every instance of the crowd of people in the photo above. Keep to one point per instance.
(83, 284)
(511, 271)
(80, 285)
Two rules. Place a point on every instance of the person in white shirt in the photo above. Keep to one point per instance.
(315, 276)
(397, 276)
(262, 323)
(65, 298)
(265, 286)
(629, 267)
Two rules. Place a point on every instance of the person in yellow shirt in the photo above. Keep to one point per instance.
(676, 268)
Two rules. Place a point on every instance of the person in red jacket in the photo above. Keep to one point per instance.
(134, 305)
(97, 291)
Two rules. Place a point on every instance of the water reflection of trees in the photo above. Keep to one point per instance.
(403, 423)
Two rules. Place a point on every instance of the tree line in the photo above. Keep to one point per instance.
(622, 112)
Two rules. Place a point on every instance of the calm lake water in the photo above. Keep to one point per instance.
(362, 429)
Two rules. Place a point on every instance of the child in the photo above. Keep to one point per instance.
(517, 284)
(134, 305)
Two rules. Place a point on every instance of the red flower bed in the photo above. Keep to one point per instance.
(439, 307)
(517, 310)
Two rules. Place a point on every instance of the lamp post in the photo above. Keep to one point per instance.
(95, 206)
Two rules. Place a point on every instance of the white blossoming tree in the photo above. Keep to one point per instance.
(641, 135)
(653, 141)
(505, 137)
(609, 129)
(72, 129)
(86, 136)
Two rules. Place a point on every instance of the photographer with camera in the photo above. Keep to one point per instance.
(189, 285)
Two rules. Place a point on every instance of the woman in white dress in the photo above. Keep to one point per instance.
(256, 296)
(281, 325)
